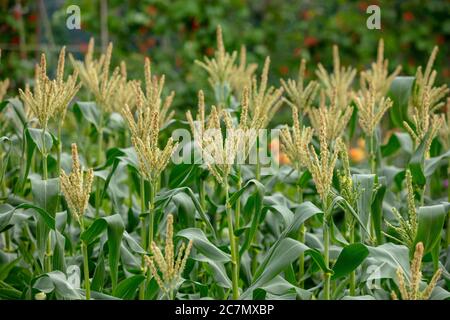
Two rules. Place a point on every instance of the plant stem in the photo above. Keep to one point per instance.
(58, 153)
(151, 207)
(84, 250)
(237, 211)
(258, 165)
(301, 238)
(48, 249)
(7, 241)
(44, 155)
(143, 235)
(87, 284)
(202, 193)
(99, 162)
(372, 155)
(326, 245)
(352, 279)
(326, 248)
(233, 248)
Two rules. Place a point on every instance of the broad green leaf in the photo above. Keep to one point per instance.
(399, 93)
(45, 193)
(386, 259)
(364, 183)
(47, 218)
(6, 212)
(397, 141)
(165, 197)
(89, 111)
(279, 257)
(114, 225)
(17, 106)
(349, 259)
(56, 281)
(127, 288)
(203, 245)
(235, 196)
(98, 279)
(430, 223)
(432, 164)
(59, 263)
(377, 212)
(41, 141)
(416, 163)
(217, 269)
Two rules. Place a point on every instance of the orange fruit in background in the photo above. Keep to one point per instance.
(357, 154)
(361, 143)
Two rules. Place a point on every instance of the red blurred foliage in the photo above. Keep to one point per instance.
(142, 30)
(195, 24)
(311, 41)
(284, 70)
(446, 72)
(15, 40)
(152, 10)
(440, 39)
(178, 61)
(32, 18)
(209, 51)
(306, 15)
(362, 6)
(408, 16)
(84, 47)
(17, 12)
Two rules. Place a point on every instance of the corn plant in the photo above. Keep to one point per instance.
(108, 192)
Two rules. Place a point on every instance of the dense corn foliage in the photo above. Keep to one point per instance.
(349, 201)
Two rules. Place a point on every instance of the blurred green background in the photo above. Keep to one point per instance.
(173, 33)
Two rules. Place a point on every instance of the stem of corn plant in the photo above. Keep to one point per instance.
(352, 279)
(237, 212)
(202, 192)
(237, 218)
(372, 155)
(326, 252)
(7, 241)
(48, 249)
(99, 162)
(258, 165)
(58, 153)
(84, 249)
(301, 238)
(58, 158)
(233, 248)
(143, 235)
(151, 209)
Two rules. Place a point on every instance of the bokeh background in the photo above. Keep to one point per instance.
(173, 33)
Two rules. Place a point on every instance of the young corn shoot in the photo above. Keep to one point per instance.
(424, 100)
(170, 267)
(371, 110)
(151, 115)
(221, 69)
(410, 288)
(49, 99)
(337, 85)
(76, 188)
(299, 95)
(295, 146)
(322, 168)
(407, 227)
(336, 118)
